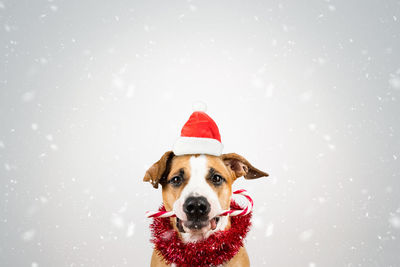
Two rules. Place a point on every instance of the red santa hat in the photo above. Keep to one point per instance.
(199, 135)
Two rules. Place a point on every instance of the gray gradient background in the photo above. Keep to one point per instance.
(93, 92)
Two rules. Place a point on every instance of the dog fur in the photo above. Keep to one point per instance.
(195, 170)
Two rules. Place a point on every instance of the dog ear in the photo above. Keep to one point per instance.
(241, 167)
(159, 170)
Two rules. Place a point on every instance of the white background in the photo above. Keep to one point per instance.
(93, 92)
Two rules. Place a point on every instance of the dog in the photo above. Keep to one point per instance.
(197, 187)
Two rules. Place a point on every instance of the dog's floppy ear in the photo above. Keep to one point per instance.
(241, 167)
(159, 169)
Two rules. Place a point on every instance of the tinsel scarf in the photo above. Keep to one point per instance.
(217, 249)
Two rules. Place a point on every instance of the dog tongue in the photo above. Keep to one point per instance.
(213, 224)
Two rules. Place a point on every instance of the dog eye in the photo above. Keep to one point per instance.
(217, 179)
(176, 181)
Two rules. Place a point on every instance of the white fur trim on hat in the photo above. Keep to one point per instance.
(197, 145)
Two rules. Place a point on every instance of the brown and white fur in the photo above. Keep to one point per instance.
(205, 178)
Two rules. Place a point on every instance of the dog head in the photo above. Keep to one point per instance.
(197, 188)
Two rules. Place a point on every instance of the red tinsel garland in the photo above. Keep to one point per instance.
(217, 249)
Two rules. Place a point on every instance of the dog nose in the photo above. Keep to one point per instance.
(196, 207)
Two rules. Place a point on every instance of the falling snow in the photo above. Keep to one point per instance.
(131, 230)
(28, 96)
(28, 235)
(395, 221)
(306, 235)
(270, 230)
(91, 97)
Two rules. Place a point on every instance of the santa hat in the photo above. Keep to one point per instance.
(199, 135)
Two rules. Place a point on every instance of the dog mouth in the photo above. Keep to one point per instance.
(197, 225)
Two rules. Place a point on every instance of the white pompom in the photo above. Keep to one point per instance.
(199, 106)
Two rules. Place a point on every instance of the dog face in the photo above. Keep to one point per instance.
(197, 188)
